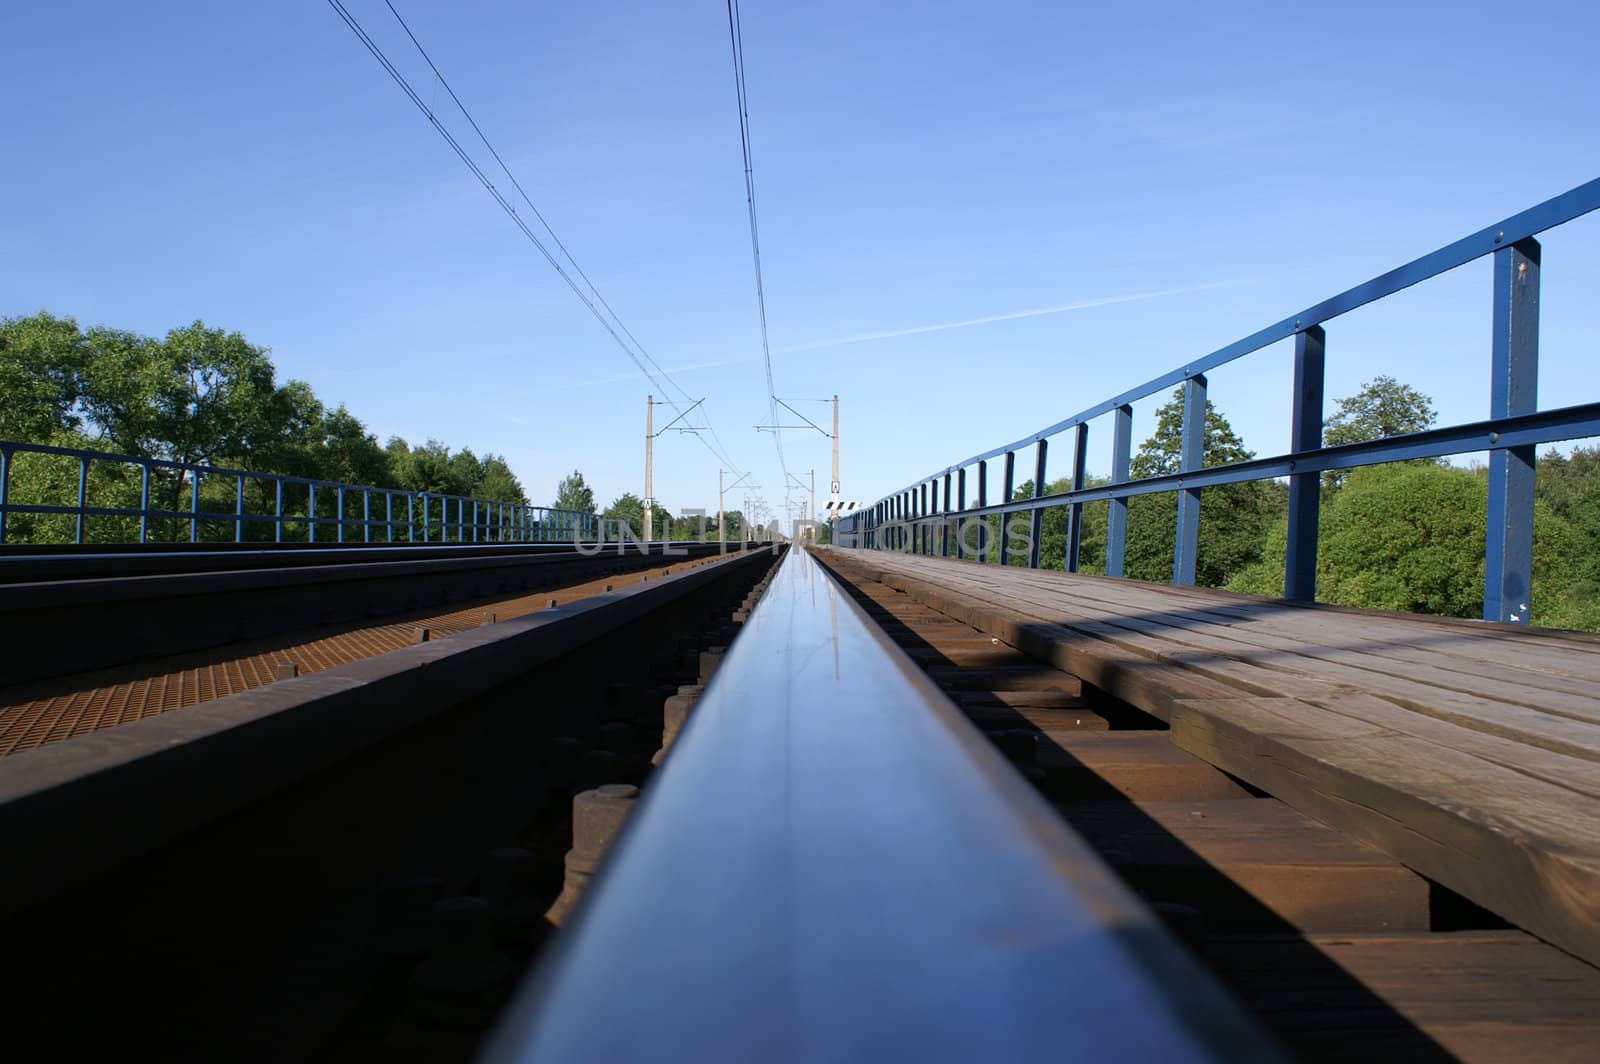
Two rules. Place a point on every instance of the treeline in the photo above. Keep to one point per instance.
(1402, 536)
(573, 493)
(196, 395)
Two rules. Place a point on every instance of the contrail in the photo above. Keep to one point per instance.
(1034, 313)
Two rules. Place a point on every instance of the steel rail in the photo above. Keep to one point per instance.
(834, 865)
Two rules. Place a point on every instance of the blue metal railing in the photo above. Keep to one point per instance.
(913, 518)
(406, 516)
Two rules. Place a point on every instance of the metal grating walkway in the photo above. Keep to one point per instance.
(61, 707)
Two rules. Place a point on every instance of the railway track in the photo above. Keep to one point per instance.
(61, 616)
(872, 831)
(278, 874)
(59, 707)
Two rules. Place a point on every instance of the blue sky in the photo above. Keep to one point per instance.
(1157, 179)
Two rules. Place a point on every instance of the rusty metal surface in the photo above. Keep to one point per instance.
(59, 708)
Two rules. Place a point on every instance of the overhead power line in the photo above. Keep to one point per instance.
(592, 299)
(736, 40)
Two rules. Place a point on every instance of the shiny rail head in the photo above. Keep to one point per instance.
(834, 865)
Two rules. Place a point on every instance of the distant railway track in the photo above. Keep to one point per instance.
(24, 564)
(63, 615)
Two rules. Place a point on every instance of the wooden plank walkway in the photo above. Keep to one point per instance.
(1469, 752)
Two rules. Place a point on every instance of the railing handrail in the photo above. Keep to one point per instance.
(1557, 210)
(257, 474)
(486, 513)
(1510, 435)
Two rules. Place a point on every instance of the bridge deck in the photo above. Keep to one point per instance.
(50, 710)
(1466, 750)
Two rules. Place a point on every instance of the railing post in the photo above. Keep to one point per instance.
(1117, 509)
(922, 522)
(5, 489)
(1187, 543)
(1513, 390)
(944, 524)
(311, 513)
(388, 514)
(961, 509)
(83, 494)
(338, 495)
(194, 510)
(238, 509)
(1305, 489)
(1080, 454)
(983, 500)
(1007, 489)
(1036, 515)
(277, 515)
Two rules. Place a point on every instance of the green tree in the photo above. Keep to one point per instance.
(1383, 407)
(629, 508)
(1409, 536)
(345, 451)
(198, 395)
(41, 366)
(573, 494)
(496, 482)
(1053, 525)
(1234, 518)
(1570, 488)
(733, 520)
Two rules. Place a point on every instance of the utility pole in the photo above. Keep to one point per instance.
(650, 435)
(833, 511)
(834, 436)
(721, 537)
(649, 463)
(814, 505)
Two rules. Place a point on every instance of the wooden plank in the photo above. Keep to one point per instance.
(1139, 765)
(1252, 865)
(986, 656)
(996, 716)
(1036, 676)
(1519, 846)
(1067, 696)
(1484, 997)
(1122, 674)
(1355, 649)
(1220, 659)
(1515, 831)
(1482, 651)
(1469, 643)
(1576, 773)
